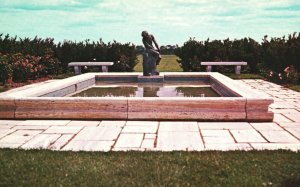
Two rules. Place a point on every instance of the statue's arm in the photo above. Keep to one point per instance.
(155, 43)
(147, 45)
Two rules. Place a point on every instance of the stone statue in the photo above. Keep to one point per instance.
(151, 57)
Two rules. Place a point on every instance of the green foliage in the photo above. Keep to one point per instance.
(193, 52)
(22, 67)
(278, 53)
(35, 46)
(50, 63)
(244, 76)
(5, 68)
(269, 56)
(123, 55)
(32, 58)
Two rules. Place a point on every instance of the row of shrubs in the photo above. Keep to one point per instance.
(123, 55)
(269, 58)
(19, 67)
(27, 58)
(41, 57)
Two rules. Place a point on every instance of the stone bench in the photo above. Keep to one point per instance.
(236, 64)
(77, 65)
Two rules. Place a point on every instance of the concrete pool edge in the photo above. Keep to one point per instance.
(26, 104)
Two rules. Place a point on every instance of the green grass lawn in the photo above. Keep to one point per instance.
(3, 89)
(168, 63)
(64, 75)
(253, 168)
(244, 76)
(295, 87)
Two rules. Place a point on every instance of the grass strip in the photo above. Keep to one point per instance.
(234, 168)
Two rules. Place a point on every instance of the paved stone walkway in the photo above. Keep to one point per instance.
(282, 133)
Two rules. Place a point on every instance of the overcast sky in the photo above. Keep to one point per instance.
(170, 21)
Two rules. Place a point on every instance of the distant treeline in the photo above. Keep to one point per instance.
(164, 49)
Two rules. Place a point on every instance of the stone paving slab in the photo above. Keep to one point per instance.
(225, 125)
(281, 118)
(129, 140)
(45, 122)
(294, 131)
(187, 141)
(140, 129)
(213, 136)
(19, 137)
(9, 122)
(294, 117)
(289, 124)
(6, 126)
(5, 132)
(119, 124)
(283, 105)
(101, 133)
(227, 147)
(247, 136)
(150, 136)
(10, 145)
(279, 137)
(178, 127)
(61, 141)
(63, 130)
(30, 127)
(148, 143)
(41, 141)
(84, 123)
(118, 135)
(266, 126)
(88, 146)
(27, 132)
(285, 111)
(143, 123)
(214, 139)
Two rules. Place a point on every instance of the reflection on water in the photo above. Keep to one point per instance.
(148, 90)
(108, 92)
(197, 91)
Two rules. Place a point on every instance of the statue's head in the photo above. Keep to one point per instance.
(145, 34)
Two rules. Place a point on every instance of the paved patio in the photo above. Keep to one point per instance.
(282, 133)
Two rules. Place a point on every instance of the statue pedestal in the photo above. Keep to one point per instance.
(149, 65)
(150, 79)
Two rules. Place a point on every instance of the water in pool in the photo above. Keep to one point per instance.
(148, 90)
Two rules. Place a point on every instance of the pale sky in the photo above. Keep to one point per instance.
(170, 21)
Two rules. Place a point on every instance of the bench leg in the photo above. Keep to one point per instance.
(104, 68)
(208, 68)
(238, 70)
(77, 70)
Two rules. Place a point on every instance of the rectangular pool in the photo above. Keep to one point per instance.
(205, 96)
(166, 89)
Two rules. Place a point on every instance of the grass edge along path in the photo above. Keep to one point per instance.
(212, 168)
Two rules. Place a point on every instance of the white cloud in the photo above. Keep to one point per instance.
(173, 21)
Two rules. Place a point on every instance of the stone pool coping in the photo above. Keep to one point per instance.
(125, 135)
(34, 102)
